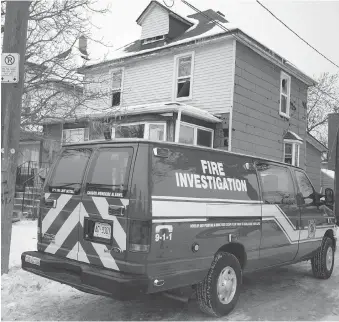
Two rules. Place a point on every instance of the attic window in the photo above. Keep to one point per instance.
(285, 94)
(153, 39)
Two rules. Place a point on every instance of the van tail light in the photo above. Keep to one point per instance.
(139, 236)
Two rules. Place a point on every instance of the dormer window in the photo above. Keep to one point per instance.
(153, 39)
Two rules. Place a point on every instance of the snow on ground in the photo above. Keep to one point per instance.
(286, 293)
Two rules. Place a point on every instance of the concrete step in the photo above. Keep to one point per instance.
(20, 201)
(29, 195)
(23, 208)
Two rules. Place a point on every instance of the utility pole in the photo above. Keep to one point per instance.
(14, 41)
(336, 180)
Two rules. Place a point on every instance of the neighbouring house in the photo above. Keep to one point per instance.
(328, 165)
(253, 100)
(315, 152)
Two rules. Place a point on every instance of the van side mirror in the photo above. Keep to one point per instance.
(329, 197)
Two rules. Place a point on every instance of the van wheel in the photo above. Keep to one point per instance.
(218, 293)
(323, 261)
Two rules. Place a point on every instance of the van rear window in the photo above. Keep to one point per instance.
(69, 170)
(109, 172)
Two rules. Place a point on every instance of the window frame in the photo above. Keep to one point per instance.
(115, 90)
(175, 76)
(283, 75)
(281, 166)
(146, 128)
(298, 187)
(85, 135)
(295, 144)
(195, 133)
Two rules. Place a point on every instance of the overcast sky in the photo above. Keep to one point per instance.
(316, 21)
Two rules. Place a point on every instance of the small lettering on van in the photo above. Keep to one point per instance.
(58, 190)
(227, 224)
(104, 194)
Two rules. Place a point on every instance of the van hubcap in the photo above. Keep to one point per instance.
(227, 285)
(329, 258)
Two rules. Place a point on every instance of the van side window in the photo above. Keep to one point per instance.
(109, 171)
(70, 168)
(277, 184)
(305, 187)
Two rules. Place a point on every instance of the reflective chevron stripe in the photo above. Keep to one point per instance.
(61, 226)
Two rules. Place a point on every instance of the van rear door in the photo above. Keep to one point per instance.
(104, 207)
(60, 205)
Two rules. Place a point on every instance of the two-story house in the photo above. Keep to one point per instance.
(198, 80)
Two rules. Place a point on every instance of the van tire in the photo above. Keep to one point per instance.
(206, 290)
(318, 262)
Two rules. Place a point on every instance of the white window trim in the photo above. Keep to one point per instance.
(175, 77)
(146, 128)
(195, 134)
(283, 75)
(151, 40)
(111, 72)
(294, 144)
(75, 129)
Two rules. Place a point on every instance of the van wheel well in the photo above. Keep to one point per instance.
(329, 233)
(237, 250)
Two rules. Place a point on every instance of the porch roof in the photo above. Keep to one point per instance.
(153, 108)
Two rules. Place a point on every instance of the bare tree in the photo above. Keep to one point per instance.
(322, 100)
(53, 88)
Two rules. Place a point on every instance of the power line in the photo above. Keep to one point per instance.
(235, 36)
(297, 34)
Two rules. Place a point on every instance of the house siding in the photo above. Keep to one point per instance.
(258, 129)
(156, 23)
(313, 164)
(151, 79)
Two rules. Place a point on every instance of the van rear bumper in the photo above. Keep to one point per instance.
(86, 278)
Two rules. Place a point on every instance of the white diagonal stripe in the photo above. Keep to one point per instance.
(54, 212)
(105, 257)
(64, 231)
(166, 208)
(82, 257)
(73, 254)
(125, 202)
(118, 232)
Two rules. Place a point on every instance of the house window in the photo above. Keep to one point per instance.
(285, 93)
(292, 153)
(146, 130)
(195, 135)
(75, 135)
(117, 79)
(183, 76)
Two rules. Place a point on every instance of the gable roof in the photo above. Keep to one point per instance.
(290, 135)
(313, 141)
(202, 29)
(170, 12)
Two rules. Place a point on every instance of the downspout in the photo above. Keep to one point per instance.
(177, 126)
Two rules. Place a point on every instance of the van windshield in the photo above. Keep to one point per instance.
(69, 169)
(109, 172)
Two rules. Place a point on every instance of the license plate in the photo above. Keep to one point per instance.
(102, 230)
(33, 260)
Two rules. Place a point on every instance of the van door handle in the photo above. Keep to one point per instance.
(115, 210)
(50, 203)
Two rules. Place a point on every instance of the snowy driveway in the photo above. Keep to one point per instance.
(288, 293)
